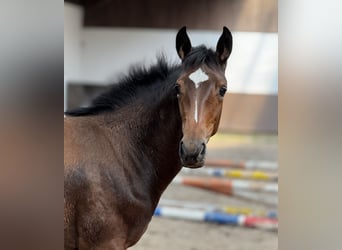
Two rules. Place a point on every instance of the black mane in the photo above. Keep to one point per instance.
(141, 79)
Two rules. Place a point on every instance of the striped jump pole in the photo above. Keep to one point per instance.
(264, 198)
(248, 165)
(217, 217)
(234, 210)
(229, 187)
(237, 174)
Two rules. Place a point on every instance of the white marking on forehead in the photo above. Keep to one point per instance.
(198, 76)
(196, 111)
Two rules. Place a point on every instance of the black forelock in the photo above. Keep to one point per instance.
(200, 55)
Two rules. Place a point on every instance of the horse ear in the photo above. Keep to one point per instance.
(183, 44)
(224, 46)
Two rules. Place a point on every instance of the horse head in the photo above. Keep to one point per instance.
(200, 90)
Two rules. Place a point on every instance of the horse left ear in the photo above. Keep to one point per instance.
(224, 46)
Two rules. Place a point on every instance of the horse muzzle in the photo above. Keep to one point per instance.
(192, 153)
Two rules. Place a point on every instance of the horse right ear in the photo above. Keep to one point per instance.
(183, 44)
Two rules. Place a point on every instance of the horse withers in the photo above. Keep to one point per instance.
(122, 151)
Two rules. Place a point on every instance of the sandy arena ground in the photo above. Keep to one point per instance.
(170, 234)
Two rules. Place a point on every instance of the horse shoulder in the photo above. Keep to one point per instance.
(85, 141)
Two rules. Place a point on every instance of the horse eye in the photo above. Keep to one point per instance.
(177, 88)
(223, 90)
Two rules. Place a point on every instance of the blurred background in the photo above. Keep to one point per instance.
(103, 38)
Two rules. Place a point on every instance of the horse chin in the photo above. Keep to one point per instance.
(194, 165)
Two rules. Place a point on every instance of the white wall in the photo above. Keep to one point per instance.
(99, 55)
(109, 52)
(73, 18)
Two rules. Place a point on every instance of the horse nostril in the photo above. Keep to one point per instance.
(181, 148)
(203, 149)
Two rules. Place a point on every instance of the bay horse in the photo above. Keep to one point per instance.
(122, 151)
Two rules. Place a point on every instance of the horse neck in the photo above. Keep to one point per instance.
(155, 128)
(161, 138)
(163, 141)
